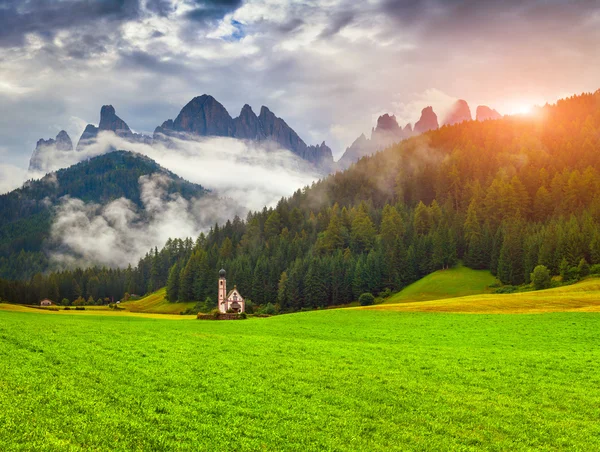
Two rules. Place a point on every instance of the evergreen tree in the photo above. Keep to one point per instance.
(173, 283)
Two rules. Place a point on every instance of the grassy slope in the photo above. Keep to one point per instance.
(328, 380)
(156, 303)
(583, 296)
(454, 282)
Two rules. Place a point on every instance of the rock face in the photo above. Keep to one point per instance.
(205, 116)
(460, 112)
(386, 133)
(484, 113)
(45, 148)
(109, 121)
(428, 121)
(247, 126)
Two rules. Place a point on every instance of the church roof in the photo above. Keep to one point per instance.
(233, 290)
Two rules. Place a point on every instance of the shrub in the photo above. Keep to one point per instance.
(67, 308)
(595, 269)
(215, 313)
(571, 275)
(80, 308)
(243, 315)
(65, 302)
(540, 277)
(385, 293)
(366, 299)
(583, 267)
(268, 309)
(249, 306)
(506, 289)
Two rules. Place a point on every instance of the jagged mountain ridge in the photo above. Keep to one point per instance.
(205, 116)
(388, 132)
(202, 116)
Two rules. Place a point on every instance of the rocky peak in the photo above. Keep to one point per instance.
(277, 130)
(320, 155)
(484, 113)
(459, 112)
(204, 116)
(247, 125)
(388, 123)
(110, 121)
(428, 121)
(63, 141)
(45, 149)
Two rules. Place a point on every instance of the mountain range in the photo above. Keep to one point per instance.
(204, 116)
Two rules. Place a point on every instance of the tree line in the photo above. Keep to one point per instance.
(504, 195)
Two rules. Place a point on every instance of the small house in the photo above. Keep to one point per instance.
(46, 302)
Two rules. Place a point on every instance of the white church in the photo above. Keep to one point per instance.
(232, 301)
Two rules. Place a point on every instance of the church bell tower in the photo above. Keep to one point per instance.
(222, 291)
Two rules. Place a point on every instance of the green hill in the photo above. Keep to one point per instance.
(583, 296)
(156, 303)
(27, 213)
(454, 282)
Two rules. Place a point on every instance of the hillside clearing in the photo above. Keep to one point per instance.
(156, 303)
(583, 296)
(458, 281)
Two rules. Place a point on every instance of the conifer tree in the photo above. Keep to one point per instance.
(173, 283)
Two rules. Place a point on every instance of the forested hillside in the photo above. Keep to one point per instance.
(26, 214)
(504, 195)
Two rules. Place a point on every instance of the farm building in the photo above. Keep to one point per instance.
(232, 301)
(46, 302)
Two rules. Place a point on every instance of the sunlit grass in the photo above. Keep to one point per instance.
(583, 296)
(454, 282)
(330, 380)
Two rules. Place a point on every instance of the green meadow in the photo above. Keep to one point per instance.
(349, 379)
(457, 281)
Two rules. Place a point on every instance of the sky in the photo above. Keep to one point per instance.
(329, 68)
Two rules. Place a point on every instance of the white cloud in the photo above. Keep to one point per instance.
(244, 176)
(11, 177)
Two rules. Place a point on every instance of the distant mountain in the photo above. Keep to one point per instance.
(205, 116)
(386, 133)
(202, 116)
(62, 143)
(109, 121)
(427, 122)
(26, 214)
(484, 113)
(459, 112)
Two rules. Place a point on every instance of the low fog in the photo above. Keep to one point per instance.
(241, 175)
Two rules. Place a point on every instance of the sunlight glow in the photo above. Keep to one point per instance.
(522, 109)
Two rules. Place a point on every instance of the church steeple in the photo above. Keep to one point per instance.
(222, 291)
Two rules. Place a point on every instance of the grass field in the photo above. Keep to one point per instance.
(583, 296)
(156, 303)
(346, 379)
(454, 282)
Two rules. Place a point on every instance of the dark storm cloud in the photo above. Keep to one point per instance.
(338, 22)
(160, 7)
(147, 62)
(440, 17)
(46, 17)
(207, 10)
(322, 66)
